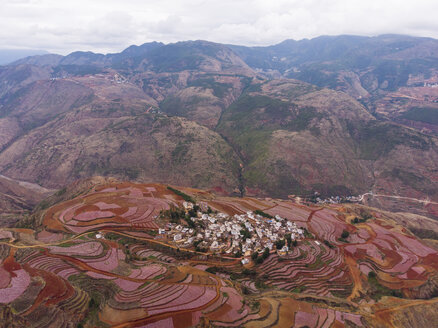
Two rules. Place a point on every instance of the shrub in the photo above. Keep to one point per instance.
(266, 215)
(212, 270)
(247, 272)
(245, 233)
(280, 243)
(328, 244)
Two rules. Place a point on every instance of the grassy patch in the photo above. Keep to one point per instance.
(219, 89)
(186, 197)
(175, 106)
(378, 138)
(422, 114)
(298, 289)
(424, 233)
(377, 290)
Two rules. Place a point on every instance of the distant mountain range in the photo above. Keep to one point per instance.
(332, 115)
(8, 56)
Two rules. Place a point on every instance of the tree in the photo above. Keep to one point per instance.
(345, 234)
(254, 256)
(288, 239)
(280, 243)
(245, 233)
(265, 253)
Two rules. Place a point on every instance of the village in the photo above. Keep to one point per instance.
(238, 236)
(338, 200)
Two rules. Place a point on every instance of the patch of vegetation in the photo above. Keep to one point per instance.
(245, 233)
(280, 243)
(175, 214)
(260, 284)
(249, 273)
(176, 106)
(316, 76)
(328, 244)
(422, 114)
(265, 253)
(365, 216)
(255, 306)
(376, 139)
(424, 233)
(307, 234)
(255, 87)
(44, 204)
(251, 105)
(122, 240)
(61, 192)
(395, 73)
(285, 182)
(184, 196)
(99, 291)
(219, 89)
(329, 190)
(413, 180)
(315, 265)
(238, 254)
(299, 289)
(302, 120)
(378, 290)
(266, 215)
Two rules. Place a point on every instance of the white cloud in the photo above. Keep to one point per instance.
(111, 25)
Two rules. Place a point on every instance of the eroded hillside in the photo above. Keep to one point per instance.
(196, 114)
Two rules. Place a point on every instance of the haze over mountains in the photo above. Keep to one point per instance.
(335, 115)
(8, 56)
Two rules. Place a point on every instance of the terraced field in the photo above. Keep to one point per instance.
(97, 261)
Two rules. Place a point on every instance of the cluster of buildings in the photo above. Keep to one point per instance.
(431, 85)
(119, 79)
(243, 234)
(339, 199)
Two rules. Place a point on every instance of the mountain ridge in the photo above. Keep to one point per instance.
(281, 135)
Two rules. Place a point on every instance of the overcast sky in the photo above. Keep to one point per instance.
(111, 25)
